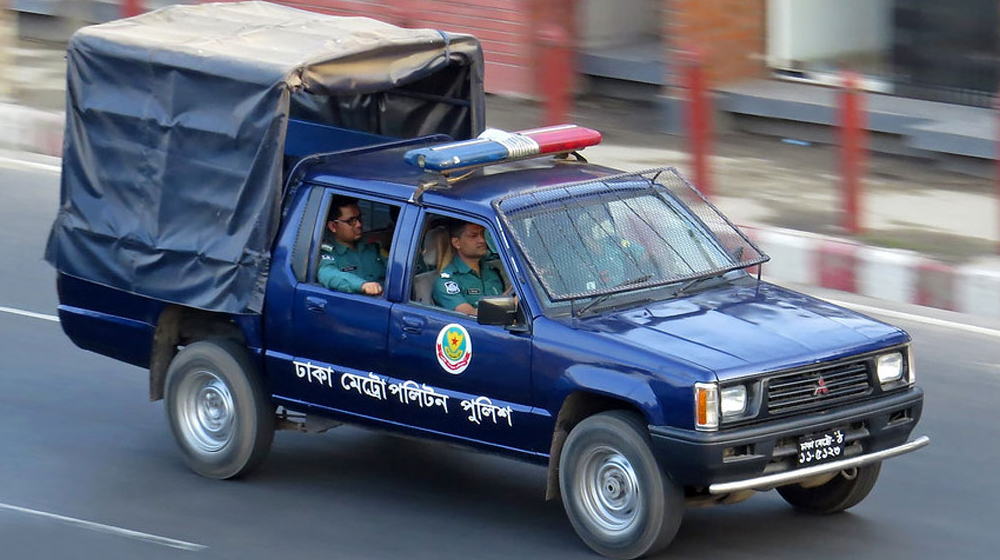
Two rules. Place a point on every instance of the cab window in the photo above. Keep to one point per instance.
(457, 264)
(354, 244)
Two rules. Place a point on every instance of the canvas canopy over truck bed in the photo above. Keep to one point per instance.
(175, 132)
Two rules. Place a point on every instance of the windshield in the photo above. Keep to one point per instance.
(623, 233)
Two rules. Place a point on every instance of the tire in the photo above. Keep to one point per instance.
(615, 495)
(844, 491)
(219, 413)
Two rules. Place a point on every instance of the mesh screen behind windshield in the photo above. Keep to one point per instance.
(623, 233)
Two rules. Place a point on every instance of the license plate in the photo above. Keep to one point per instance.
(821, 448)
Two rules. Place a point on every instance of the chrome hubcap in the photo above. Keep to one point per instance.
(206, 411)
(609, 489)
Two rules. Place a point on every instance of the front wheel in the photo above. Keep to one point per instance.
(615, 495)
(843, 491)
(218, 410)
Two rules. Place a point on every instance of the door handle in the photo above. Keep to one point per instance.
(315, 304)
(413, 325)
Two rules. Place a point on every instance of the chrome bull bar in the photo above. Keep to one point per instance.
(779, 479)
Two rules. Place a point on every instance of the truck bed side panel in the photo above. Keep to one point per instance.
(108, 321)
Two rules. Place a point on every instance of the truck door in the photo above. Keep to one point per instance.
(339, 336)
(456, 376)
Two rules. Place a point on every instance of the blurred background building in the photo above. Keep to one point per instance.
(917, 48)
(767, 60)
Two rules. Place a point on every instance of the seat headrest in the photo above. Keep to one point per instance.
(434, 241)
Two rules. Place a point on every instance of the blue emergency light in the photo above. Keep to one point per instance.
(495, 146)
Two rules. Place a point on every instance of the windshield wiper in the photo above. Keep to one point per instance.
(692, 283)
(601, 299)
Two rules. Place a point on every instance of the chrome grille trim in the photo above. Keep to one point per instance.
(802, 390)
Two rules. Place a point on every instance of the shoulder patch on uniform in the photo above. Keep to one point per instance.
(326, 257)
(452, 287)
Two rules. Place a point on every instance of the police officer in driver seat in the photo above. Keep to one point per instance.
(345, 264)
(465, 277)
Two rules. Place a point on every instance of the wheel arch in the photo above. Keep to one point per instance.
(576, 407)
(177, 326)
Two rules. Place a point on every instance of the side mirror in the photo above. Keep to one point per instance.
(500, 311)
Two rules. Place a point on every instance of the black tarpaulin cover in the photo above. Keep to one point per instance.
(175, 128)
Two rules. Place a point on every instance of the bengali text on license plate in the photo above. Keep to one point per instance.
(822, 447)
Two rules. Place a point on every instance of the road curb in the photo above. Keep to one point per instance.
(31, 130)
(889, 274)
(796, 256)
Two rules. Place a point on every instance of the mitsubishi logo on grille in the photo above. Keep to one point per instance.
(821, 388)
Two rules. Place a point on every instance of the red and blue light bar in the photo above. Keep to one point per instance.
(495, 146)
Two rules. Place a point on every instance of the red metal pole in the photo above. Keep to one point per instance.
(852, 147)
(698, 117)
(131, 8)
(557, 72)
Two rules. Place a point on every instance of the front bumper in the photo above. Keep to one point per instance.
(764, 455)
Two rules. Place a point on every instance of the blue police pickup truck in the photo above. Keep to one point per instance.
(294, 221)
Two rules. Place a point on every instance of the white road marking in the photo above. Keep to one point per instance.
(110, 529)
(31, 314)
(986, 365)
(917, 318)
(35, 165)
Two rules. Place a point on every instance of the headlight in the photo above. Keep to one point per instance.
(889, 367)
(733, 401)
(706, 406)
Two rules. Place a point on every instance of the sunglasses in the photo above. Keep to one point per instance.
(353, 220)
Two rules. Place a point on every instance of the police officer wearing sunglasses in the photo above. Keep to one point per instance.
(345, 264)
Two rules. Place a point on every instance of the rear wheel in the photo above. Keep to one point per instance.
(843, 491)
(218, 410)
(614, 492)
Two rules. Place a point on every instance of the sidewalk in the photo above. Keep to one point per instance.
(930, 235)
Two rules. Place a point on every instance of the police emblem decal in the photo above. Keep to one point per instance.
(452, 287)
(453, 348)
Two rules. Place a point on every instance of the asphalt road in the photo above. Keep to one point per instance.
(79, 440)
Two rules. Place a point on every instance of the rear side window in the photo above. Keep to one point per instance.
(378, 216)
(358, 260)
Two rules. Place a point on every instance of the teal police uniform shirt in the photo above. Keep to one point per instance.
(615, 262)
(458, 284)
(609, 264)
(345, 270)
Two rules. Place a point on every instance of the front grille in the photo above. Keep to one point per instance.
(819, 386)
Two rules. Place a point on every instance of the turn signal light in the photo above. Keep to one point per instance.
(706, 401)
